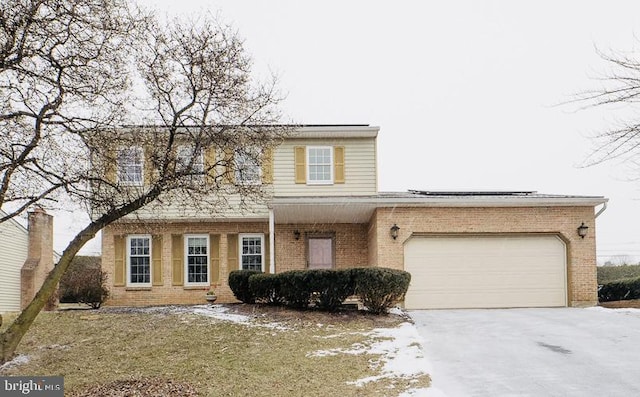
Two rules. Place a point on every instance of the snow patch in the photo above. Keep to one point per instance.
(400, 356)
(220, 312)
(20, 359)
(627, 310)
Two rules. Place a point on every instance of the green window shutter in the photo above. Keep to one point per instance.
(156, 260)
(300, 163)
(119, 252)
(338, 164)
(232, 252)
(177, 260)
(214, 257)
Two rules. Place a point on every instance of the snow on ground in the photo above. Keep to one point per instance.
(220, 312)
(18, 360)
(401, 356)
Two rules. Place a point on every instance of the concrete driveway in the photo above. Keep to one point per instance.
(532, 352)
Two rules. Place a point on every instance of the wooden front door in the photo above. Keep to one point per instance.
(320, 252)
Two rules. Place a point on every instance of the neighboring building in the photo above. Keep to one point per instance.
(463, 249)
(14, 241)
(26, 257)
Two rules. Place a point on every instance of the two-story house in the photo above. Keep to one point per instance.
(323, 210)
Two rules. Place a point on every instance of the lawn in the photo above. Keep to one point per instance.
(235, 350)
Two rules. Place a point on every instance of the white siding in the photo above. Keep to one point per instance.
(13, 253)
(360, 168)
(230, 208)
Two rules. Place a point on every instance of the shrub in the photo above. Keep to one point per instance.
(379, 288)
(84, 282)
(607, 274)
(265, 288)
(295, 288)
(239, 284)
(330, 288)
(620, 290)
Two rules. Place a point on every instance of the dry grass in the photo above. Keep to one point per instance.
(217, 358)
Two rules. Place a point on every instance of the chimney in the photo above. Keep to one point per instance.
(39, 257)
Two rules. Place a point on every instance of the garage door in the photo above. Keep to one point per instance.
(485, 272)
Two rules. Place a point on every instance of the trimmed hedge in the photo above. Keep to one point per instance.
(239, 284)
(295, 288)
(330, 288)
(378, 288)
(620, 290)
(265, 288)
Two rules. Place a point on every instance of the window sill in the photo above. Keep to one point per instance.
(196, 287)
(137, 289)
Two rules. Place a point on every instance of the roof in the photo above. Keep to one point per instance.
(354, 209)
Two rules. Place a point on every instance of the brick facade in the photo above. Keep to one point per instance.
(350, 251)
(368, 244)
(562, 221)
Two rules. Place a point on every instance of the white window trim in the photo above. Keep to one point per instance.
(129, 283)
(240, 238)
(131, 183)
(186, 262)
(331, 166)
(258, 181)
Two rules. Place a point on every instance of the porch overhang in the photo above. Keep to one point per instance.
(359, 209)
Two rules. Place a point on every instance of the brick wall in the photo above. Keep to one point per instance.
(39, 257)
(563, 221)
(350, 250)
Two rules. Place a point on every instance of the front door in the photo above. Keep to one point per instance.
(320, 252)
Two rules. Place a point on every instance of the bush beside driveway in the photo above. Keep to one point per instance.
(532, 352)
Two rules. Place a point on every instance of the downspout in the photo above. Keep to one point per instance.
(272, 242)
(604, 207)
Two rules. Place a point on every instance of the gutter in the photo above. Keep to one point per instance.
(604, 207)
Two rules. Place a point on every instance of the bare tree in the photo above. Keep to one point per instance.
(620, 88)
(178, 95)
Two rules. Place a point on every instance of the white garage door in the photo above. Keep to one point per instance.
(485, 272)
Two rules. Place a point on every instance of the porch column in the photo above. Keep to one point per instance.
(272, 242)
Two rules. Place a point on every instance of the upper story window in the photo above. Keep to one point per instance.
(190, 159)
(139, 260)
(319, 165)
(197, 259)
(247, 169)
(130, 166)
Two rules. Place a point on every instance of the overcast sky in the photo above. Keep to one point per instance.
(465, 92)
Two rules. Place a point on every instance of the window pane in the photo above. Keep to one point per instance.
(130, 162)
(197, 260)
(247, 168)
(252, 253)
(320, 164)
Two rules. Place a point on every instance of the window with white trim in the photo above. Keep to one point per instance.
(319, 165)
(139, 260)
(251, 252)
(190, 159)
(196, 248)
(130, 166)
(247, 168)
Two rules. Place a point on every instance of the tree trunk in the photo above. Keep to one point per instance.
(12, 336)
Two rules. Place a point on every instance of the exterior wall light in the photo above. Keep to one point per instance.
(296, 234)
(582, 230)
(394, 231)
